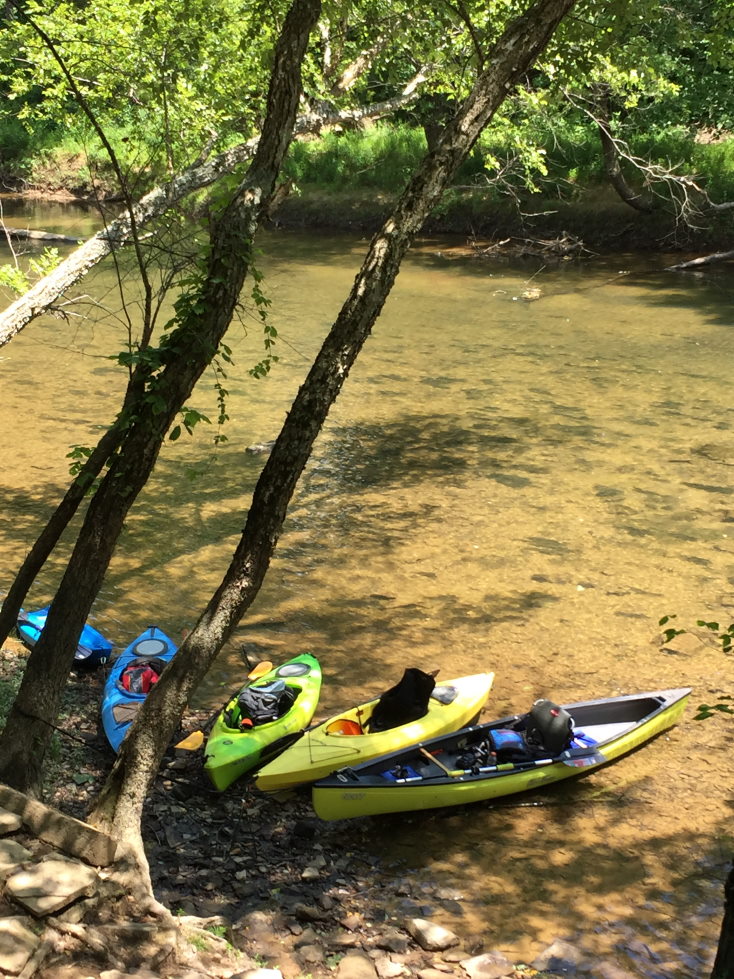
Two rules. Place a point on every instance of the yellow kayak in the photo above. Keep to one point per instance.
(499, 758)
(336, 743)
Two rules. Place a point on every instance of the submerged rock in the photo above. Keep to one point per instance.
(489, 965)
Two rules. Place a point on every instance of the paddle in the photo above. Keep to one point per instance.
(430, 757)
(573, 757)
(193, 741)
(583, 757)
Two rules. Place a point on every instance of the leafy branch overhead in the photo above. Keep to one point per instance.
(725, 637)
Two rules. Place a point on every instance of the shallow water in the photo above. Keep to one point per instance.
(520, 486)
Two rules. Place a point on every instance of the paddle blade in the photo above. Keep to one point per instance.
(195, 740)
(191, 742)
(585, 760)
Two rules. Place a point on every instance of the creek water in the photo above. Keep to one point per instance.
(522, 486)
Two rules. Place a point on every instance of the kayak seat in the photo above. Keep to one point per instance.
(344, 726)
(124, 713)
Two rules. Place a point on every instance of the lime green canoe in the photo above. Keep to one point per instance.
(263, 719)
(337, 741)
(499, 758)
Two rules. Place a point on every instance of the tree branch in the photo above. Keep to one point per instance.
(691, 201)
(117, 233)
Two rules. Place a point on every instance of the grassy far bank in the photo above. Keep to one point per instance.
(348, 180)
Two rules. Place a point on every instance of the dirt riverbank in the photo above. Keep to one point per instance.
(593, 220)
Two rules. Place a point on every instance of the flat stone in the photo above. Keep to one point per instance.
(344, 940)
(62, 831)
(489, 965)
(51, 885)
(392, 941)
(430, 936)
(307, 936)
(17, 943)
(310, 955)
(387, 969)
(12, 854)
(10, 822)
(309, 912)
(259, 974)
(355, 966)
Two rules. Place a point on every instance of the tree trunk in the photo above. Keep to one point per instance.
(119, 806)
(203, 320)
(724, 964)
(116, 234)
(610, 155)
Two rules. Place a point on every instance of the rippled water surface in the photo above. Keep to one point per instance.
(518, 486)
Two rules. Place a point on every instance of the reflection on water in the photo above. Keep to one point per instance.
(525, 487)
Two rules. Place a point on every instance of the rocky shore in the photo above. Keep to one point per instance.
(259, 887)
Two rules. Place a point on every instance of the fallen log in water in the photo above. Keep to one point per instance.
(25, 234)
(696, 263)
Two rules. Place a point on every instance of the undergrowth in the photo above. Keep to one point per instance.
(556, 159)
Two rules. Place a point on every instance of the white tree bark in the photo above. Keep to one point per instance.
(42, 296)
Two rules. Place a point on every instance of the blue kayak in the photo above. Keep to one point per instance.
(131, 677)
(93, 649)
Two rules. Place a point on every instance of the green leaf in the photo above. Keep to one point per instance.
(82, 778)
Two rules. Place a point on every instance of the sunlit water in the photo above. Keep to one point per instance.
(518, 486)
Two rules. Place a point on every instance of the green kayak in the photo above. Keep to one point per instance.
(263, 719)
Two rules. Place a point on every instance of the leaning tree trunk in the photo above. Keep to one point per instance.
(119, 806)
(204, 318)
(51, 287)
(724, 964)
(610, 155)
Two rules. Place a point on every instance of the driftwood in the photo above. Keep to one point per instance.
(697, 263)
(24, 234)
(563, 246)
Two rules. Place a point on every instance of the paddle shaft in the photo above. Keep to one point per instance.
(580, 758)
(430, 757)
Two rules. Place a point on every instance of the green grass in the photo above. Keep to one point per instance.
(380, 157)
(556, 157)
(383, 156)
